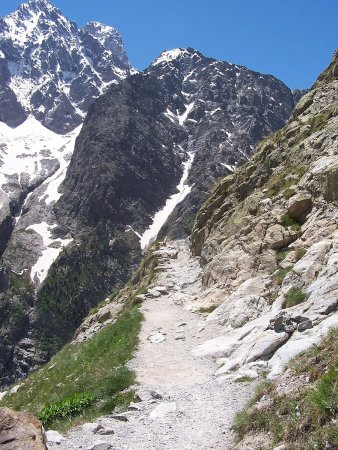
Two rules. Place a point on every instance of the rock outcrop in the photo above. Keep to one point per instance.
(20, 431)
(268, 240)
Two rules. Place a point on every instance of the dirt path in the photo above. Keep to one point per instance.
(195, 410)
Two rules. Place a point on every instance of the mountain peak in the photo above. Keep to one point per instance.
(177, 53)
(53, 68)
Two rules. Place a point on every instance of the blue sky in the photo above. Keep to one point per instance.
(290, 39)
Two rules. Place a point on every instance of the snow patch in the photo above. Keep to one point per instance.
(170, 56)
(26, 150)
(183, 117)
(161, 216)
(231, 168)
(49, 254)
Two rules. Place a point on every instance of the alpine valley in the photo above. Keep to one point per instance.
(199, 191)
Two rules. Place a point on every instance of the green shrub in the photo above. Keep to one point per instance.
(96, 366)
(281, 254)
(280, 274)
(305, 418)
(295, 296)
(66, 409)
(288, 221)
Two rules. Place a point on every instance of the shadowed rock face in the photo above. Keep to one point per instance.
(20, 431)
(52, 69)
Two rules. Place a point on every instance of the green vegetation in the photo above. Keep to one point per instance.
(244, 379)
(282, 254)
(66, 409)
(284, 180)
(207, 309)
(306, 418)
(288, 221)
(280, 274)
(76, 282)
(83, 380)
(295, 296)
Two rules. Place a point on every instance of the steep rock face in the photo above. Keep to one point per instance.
(126, 161)
(225, 110)
(267, 238)
(51, 69)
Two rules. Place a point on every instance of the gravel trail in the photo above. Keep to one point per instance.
(183, 406)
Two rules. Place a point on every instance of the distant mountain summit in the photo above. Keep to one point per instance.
(52, 69)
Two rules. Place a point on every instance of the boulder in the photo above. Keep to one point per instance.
(100, 445)
(162, 410)
(278, 237)
(91, 427)
(267, 343)
(54, 437)
(282, 323)
(306, 325)
(20, 431)
(299, 205)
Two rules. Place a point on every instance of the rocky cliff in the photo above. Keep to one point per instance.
(268, 240)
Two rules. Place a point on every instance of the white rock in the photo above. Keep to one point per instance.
(100, 445)
(157, 338)
(3, 394)
(105, 431)
(153, 293)
(15, 389)
(54, 437)
(162, 410)
(91, 427)
(245, 304)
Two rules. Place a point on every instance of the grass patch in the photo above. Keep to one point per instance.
(244, 379)
(294, 297)
(280, 274)
(288, 221)
(282, 254)
(306, 418)
(207, 309)
(315, 362)
(94, 368)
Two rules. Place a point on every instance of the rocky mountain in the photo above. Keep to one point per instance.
(259, 288)
(184, 123)
(51, 69)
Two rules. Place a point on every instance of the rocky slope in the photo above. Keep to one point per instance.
(268, 241)
(53, 70)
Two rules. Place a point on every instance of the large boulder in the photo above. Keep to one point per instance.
(299, 205)
(20, 431)
(278, 237)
